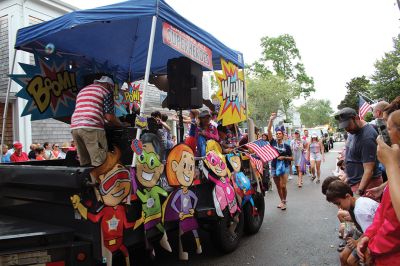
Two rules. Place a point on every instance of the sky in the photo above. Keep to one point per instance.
(338, 40)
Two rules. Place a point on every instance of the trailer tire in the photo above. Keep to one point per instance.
(252, 223)
(224, 240)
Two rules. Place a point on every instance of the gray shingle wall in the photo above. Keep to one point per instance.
(50, 130)
(4, 54)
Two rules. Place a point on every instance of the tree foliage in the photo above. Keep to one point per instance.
(354, 87)
(265, 95)
(316, 112)
(386, 79)
(280, 56)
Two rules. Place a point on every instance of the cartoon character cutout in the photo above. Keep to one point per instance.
(148, 171)
(181, 204)
(114, 187)
(240, 181)
(223, 193)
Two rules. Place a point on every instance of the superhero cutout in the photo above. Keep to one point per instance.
(148, 171)
(217, 171)
(241, 182)
(181, 204)
(114, 187)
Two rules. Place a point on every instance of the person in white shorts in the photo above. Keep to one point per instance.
(315, 153)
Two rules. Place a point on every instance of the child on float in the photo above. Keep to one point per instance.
(205, 131)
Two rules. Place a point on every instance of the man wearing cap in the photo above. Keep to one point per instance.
(361, 160)
(94, 107)
(18, 155)
(64, 149)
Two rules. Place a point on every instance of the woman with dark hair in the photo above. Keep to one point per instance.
(315, 153)
(280, 165)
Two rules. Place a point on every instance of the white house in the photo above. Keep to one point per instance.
(15, 14)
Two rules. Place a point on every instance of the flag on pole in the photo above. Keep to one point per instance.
(257, 163)
(263, 149)
(363, 107)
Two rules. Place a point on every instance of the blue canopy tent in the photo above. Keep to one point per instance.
(127, 35)
(120, 34)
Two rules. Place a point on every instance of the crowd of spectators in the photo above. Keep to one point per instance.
(369, 205)
(37, 152)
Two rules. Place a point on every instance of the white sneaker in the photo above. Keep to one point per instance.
(290, 177)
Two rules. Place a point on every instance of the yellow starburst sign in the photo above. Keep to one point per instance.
(231, 94)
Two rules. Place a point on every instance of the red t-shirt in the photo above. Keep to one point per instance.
(22, 158)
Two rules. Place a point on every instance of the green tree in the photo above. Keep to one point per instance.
(281, 57)
(316, 112)
(386, 79)
(354, 87)
(265, 95)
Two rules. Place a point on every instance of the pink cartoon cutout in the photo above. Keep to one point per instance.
(216, 170)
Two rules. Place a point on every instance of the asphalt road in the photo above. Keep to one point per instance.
(305, 234)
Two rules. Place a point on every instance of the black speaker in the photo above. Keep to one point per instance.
(185, 84)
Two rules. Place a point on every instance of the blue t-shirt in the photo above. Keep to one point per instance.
(361, 148)
(283, 150)
(6, 158)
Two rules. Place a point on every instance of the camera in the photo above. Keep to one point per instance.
(382, 129)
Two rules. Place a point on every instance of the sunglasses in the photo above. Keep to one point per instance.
(151, 159)
(118, 176)
(214, 160)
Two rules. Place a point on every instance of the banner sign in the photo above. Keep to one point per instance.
(231, 94)
(187, 46)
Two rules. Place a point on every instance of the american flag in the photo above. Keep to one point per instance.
(263, 149)
(258, 164)
(363, 107)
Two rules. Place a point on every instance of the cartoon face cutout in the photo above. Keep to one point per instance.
(216, 163)
(184, 169)
(235, 162)
(180, 168)
(115, 185)
(148, 165)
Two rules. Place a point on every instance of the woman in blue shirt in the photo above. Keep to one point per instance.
(284, 159)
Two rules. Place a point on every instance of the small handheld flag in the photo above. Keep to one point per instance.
(363, 107)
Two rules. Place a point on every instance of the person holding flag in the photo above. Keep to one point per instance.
(280, 165)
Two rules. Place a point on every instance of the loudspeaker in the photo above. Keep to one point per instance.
(185, 84)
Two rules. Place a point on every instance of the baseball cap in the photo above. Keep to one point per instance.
(314, 135)
(204, 113)
(297, 131)
(105, 79)
(18, 145)
(344, 116)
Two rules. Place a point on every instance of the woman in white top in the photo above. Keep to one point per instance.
(315, 153)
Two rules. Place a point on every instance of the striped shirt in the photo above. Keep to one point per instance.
(92, 103)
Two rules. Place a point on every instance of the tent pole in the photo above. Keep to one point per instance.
(3, 128)
(146, 77)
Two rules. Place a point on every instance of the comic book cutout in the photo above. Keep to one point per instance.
(181, 204)
(114, 188)
(216, 170)
(241, 182)
(148, 172)
(51, 84)
(231, 94)
(137, 146)
(141, 122)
